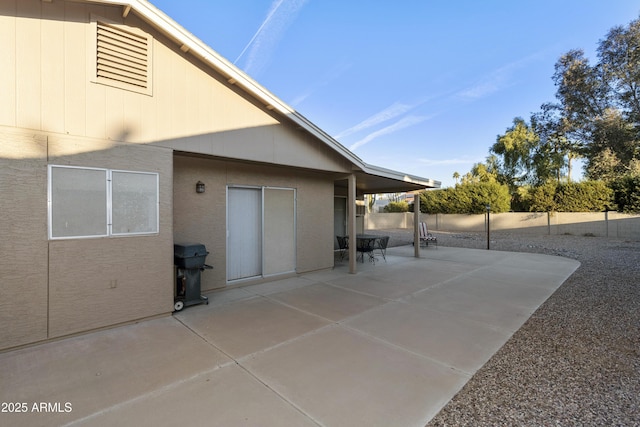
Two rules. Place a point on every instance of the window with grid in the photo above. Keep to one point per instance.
(94, 202)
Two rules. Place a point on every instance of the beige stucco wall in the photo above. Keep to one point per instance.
(201, 218)
(23, 244)
(52, 288)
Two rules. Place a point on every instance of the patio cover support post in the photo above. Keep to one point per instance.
(351, 223)
(416, 225)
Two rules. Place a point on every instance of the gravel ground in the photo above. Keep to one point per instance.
(576, 361)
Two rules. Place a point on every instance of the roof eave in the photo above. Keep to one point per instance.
(190, 43)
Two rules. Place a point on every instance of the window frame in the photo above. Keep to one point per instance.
(108, 203)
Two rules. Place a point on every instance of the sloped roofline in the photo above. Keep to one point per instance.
(190, 43)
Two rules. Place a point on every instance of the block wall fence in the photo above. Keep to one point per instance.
(602, 224)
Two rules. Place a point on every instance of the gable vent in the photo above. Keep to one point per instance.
(122, 58)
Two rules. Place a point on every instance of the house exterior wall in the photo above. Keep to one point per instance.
(23, 244)
(52, 288)
(51, 113)
(201, 218)
(47, 86)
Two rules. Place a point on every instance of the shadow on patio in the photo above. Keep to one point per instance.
(390, 345)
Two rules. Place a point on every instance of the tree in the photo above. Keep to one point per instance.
(483, 172)
(456, 176)
(515, 149)
(394, 197)
(614, 146)
(555, 149)
(601, 103)
(619, 55)
(371, 201)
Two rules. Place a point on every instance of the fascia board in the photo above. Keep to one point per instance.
(399, 176)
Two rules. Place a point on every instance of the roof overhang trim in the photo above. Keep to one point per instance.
(187, 42)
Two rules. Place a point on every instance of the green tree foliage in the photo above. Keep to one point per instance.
(556, 149)
(541, 198)
(514, 150)
(586, 196)
(627, 193)
(614, 147)
(596, 117)
(397, 207)
(466, 198)
(601, 103)
(483, 172)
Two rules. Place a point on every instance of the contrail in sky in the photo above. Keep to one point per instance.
(388, 113)
(499, 78)
(281, 14)
(274, 8)
(400, 124)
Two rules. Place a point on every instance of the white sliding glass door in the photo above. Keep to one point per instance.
(244, 233)
(261, 239)
(279, 231)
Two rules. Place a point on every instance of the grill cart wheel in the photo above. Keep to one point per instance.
(179, 305)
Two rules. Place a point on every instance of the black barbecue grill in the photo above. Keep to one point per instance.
(189, 259)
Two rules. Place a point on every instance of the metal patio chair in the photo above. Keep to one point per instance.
(366, 245)
(381, 245)
(426, 237)
(343, 245)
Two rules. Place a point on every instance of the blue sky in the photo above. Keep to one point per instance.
(419, 86)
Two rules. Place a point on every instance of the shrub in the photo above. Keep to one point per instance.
(585, 196)
(397, 207)
(626, 193)
(542, 198)
(468, 198)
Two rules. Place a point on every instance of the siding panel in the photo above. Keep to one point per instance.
(8, 63)
(28, 63)
(52, 68)
(23, 244)
(75, 67)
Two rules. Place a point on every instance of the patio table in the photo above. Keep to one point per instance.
(367, 243)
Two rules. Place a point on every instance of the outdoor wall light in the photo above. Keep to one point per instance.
(200, 187)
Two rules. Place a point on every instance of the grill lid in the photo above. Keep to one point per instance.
(189, 250)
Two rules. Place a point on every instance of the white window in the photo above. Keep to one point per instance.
(93, 202)
(134, 202)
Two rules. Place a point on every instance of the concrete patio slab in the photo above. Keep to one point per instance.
(341, 378)
(228, 396)
(551, 276)
(390, 345)
(248, 326)
(379, 287)
(488, 308)
(527, 296)
(444, 337)
(328, 301)
(279, 286)
(99, 370)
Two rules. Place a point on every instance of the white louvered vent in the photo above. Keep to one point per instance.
(122, 58)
